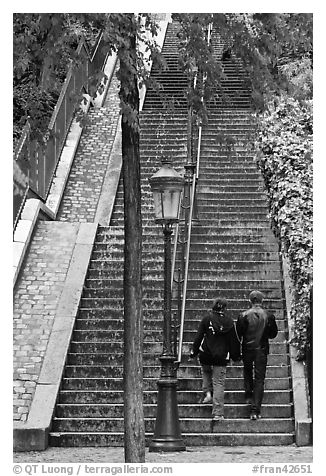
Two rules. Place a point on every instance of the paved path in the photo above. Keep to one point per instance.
(215, 454)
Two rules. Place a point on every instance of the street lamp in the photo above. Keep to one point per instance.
(167, 185)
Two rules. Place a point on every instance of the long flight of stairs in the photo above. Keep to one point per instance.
(232, 251)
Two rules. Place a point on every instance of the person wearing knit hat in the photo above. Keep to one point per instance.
(255, 326)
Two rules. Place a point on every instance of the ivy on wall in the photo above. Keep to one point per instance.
(285, 159)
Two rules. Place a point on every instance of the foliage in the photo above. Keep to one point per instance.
(44, 45)
(285, 142)
(264, 43)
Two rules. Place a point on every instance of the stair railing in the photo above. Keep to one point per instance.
(39, 160)
(192, 168)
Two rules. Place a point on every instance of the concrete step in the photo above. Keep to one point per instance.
(227, 270)
(92, 322)
(187, 425)
(278, 397)
(153, 335)
(194, 303)
(149, 347)
(233, 370)
(105, 358)
(197, 249)
(242, 211)
(113, 384)
(198, 259)
(185, 411)
(105, 439)
(97, 323)
(192, 293)
(227, 217)
(157, 312)
(232, 289)
(210, 191)
(231, 199)
(224, 237)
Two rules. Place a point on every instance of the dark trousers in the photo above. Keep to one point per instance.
(254, 371)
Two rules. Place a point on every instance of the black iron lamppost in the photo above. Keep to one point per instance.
(167, 185)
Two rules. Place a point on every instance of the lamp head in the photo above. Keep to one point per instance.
(166, 185)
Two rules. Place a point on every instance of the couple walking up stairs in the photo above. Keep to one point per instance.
(232, 252)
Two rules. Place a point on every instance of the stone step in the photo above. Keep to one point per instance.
(243, 237)
(233, 370)
(223, 209)
(157, 312)
(279, 397)
(235, 248)
(198, 250)
(231, 199)
(168, 140)
(227, 217)
(199, 425)
(192, 303)
(192, 293)
(154, 249)
(244, 286)
(168, 149)
(93, 323)
(220, 137)
(236, 236)
(249, 269)
(99, 439)
(153, 335)
(213, 185)
(211, 191)
(113, 348)
(149, 384)
(185, 411)
(211, 158)
(213, 230)
(104, 358)
(217, 167)
(222, 252)
(229, 176)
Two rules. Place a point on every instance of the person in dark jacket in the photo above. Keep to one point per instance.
(215, 342)
(255, 326)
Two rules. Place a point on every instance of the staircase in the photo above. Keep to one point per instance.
(232, 252)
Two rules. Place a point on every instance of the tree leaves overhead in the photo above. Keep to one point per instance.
(44, 46)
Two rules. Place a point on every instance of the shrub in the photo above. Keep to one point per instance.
(285, 159)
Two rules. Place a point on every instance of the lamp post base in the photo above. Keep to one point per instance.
(167, 435)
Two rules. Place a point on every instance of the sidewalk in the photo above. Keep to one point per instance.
(198, 454)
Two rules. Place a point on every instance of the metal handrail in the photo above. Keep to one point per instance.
(185, 278)
(190, 221)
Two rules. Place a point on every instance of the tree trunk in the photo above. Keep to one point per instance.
(134, 428)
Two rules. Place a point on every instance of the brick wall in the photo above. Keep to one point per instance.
(88, 169)
(36, 297)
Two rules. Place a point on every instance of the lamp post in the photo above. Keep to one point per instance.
(167, 185)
